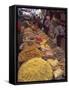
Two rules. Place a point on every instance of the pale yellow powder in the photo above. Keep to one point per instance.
(35, 69)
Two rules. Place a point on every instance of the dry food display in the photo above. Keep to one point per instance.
(40, 45)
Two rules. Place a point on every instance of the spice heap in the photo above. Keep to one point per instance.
(36, 69)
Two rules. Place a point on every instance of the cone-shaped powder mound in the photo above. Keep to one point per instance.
(35, 69)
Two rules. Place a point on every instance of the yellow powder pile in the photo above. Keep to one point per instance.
(35, 69)
(28, 53)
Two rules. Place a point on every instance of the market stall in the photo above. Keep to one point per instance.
(39, 57)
